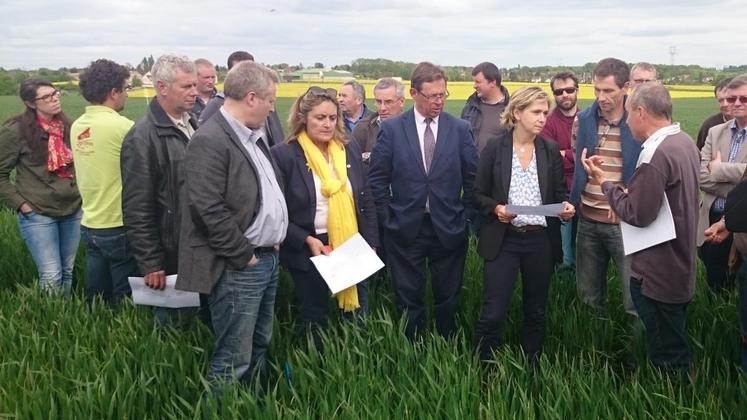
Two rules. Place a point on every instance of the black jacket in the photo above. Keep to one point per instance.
(151, 163)
(735, 211)
(300, 197)
(471, 111)
(221, 199)
(494, 180)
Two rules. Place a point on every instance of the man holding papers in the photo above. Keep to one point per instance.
(663, 275)
(234, 219)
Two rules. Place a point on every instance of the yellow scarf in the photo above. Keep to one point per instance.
(342, 223)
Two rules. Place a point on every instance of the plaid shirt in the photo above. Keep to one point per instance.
(737, 138)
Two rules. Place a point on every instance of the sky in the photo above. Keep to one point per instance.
(71, 33)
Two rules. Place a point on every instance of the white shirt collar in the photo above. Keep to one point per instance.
(420, 119)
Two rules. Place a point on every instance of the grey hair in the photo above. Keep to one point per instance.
(357, 88)
(655, 98)
(248, 76)
(737, 82)
(164, 69)
(387, 82)
(643, 66)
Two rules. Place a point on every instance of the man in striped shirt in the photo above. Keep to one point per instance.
(602, 130)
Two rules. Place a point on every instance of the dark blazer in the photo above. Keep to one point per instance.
(401, 186)
(220, 199)
(300, 197)
(493, 182)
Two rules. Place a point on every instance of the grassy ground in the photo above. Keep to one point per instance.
(61, 359)
(690, 112)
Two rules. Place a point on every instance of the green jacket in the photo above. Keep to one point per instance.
(45, 192)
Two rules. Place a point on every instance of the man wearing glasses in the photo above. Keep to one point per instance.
(602, 130)
(422, 173)
(642, 73)
(723, 161)
(721, 117)
(558, 128)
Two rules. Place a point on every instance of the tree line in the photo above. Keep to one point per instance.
(375, 68)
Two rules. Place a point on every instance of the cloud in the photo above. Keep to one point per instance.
(74, 32)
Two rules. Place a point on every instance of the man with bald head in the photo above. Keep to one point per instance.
(662, 276)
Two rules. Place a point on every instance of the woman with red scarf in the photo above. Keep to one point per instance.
(36, 144)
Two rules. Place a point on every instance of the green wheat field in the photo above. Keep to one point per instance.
(63, 359)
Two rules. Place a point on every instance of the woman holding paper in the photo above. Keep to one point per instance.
(522, 169)
(328, 201)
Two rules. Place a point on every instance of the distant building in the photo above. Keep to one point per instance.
(320, 74)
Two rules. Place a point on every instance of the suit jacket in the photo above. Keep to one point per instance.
(220, 200)
(719, 180)
(401, 186)
(492, 186)
(300, 197)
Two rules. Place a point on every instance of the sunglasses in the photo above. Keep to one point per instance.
(322, 92)
(734, 99)
(568, 90)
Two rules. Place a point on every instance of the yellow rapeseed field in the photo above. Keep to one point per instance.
(457, 90)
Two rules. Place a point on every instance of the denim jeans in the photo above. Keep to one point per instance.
(109, 261)
(596, 244)
(568, 237)
(742, 308)
(666, 340)
(241, 306)
(53, 244)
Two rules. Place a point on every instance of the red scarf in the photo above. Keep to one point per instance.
(60, 160)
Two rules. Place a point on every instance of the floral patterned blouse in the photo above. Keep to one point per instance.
(524, 190)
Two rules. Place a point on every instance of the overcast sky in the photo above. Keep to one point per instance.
(71, 33)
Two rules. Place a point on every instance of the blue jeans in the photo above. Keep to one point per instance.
(666, 340)
(109, 261)
(53, 244)
(241, 306)
(596, 244)
(568, 238)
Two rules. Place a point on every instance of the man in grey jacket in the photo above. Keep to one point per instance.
(235, 218)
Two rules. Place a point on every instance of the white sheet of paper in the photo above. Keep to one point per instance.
(167, 298)
(349, 264)
(548, 210)
(660, 230)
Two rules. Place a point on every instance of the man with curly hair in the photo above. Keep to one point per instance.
(96, 139)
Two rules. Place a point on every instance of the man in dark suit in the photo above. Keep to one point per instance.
(235, 218)
(421, 175)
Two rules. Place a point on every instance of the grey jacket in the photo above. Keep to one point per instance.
(220, 200)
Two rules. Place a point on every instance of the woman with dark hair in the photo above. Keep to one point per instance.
(519, 168)
(328, 201)
(36, 144)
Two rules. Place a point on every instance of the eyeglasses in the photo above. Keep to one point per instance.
(328, 93)
(721, 100)
(734, 99)
(50, 96)
(435, 97)
(642, 81)
(568, 90)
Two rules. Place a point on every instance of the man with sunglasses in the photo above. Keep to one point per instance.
(558, 128)
(721, 117)
(723, 161)
(422, 174)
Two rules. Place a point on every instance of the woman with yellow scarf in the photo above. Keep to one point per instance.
(328, 199)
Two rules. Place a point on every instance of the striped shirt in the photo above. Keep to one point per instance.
(594, 205)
